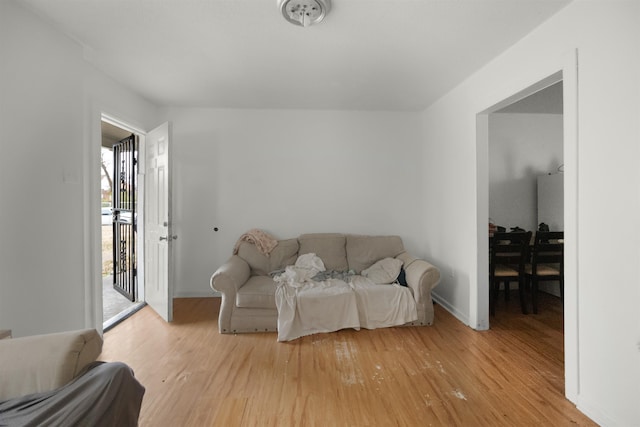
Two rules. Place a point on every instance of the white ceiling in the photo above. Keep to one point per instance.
(366, 55)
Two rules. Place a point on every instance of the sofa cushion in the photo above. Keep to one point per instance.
(257, 292)
(285, 253)
(258, 263)
(330, 247)
(383, 272)
(364, 251)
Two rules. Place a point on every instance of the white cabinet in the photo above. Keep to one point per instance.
(551, 201)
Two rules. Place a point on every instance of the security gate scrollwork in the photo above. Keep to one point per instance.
(124, 217)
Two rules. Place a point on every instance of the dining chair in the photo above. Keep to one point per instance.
(547, 263)
(508, 256)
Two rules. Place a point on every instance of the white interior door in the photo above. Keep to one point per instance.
(157, 222)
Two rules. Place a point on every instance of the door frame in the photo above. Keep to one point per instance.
(567, 71)
(140, 209)
(93, 308)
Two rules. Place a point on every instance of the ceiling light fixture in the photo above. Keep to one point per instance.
(304, 12)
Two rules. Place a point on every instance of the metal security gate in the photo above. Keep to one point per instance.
(125, 174)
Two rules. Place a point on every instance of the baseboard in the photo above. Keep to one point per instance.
(196, 294)
(596, 413)
(451, 309)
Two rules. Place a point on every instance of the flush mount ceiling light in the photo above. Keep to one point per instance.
(304, 12)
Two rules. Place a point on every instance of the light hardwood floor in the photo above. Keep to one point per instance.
(443, 375)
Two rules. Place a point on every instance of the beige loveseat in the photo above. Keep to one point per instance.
(248, 291)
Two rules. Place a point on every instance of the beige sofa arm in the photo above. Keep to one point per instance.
(422, 277)
(45, 362)
(230, 276)
(227, 280)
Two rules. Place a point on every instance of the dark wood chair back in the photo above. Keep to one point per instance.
(510, 249)
(508, 255)
(548, 248)
(547, 262)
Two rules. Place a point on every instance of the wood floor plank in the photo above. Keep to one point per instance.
(443, 375)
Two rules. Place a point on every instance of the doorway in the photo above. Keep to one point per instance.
(120, 296)
(521, 142)
(568, 74)
(526, 169)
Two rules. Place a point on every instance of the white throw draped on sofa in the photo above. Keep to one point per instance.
(307, 307)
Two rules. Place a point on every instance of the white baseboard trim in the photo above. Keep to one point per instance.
(451, 309)
(196, 294)
(596, 413)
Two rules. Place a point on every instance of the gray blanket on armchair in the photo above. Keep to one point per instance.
(106, 394)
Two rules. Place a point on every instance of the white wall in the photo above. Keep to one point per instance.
(521, 147)
(606, 35)
(288, 172)
(49, 100)
(40, 177)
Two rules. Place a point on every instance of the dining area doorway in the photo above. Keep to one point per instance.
(526, 182)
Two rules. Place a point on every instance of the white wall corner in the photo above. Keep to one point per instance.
(450, 308)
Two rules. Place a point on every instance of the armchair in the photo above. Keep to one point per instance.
(55, 380)
(45, 362)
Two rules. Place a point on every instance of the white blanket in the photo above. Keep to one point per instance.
(307, 307)
(381, 306)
